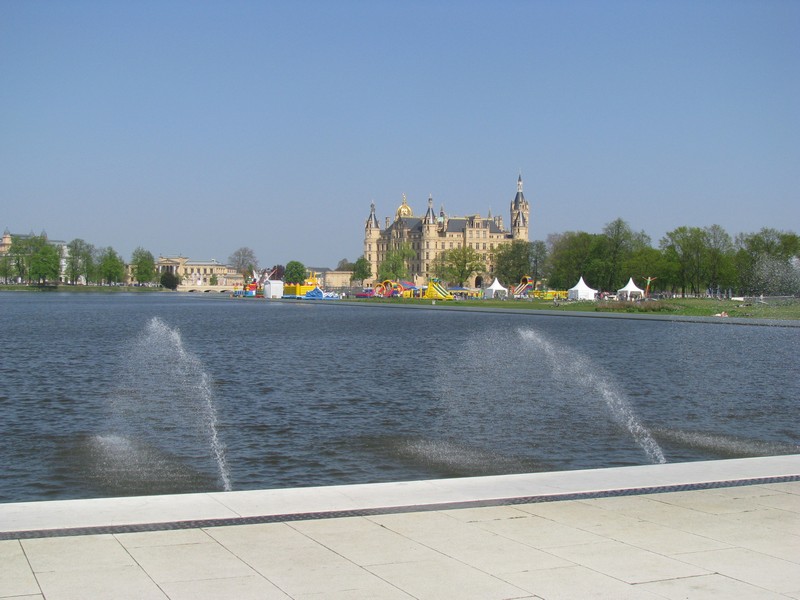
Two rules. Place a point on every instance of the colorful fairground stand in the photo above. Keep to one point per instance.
(395, 289)
(527, 289)
(260, 286)
(436, 291)
(248, 290)
(308, 290)
(551, 294)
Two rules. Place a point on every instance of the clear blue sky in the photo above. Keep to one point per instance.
(200, 127)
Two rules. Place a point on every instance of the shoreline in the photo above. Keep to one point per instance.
(470, 306)
(681, 312)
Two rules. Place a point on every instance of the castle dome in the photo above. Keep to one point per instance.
(404, 210)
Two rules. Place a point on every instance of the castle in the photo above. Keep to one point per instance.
(431, 235)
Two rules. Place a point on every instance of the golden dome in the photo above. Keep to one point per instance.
(404, 209)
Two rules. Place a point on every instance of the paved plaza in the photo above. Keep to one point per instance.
(715, 529)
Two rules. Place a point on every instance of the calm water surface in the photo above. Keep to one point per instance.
(107, 395)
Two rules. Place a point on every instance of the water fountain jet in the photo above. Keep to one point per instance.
(573, 368)
(165, 400)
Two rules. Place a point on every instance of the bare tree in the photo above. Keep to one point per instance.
(244, 261)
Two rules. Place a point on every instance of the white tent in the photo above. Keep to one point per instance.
(630, 291)
(581, 291)
(273, 288)
(495, 290)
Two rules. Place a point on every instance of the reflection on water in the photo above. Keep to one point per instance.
(118, 395)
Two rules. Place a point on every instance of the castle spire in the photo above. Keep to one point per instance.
(520, 213)
(372, 220)
(430, 215)
(519, 200)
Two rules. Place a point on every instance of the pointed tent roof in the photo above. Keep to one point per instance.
(497, 286)
(631, 289)
(581, 291)
(493, 290)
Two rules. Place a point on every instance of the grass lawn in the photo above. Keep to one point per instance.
(786, 308)
(782, 308)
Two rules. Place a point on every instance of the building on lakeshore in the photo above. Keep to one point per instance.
(199, 273)
(63, 250)
(336, 280)
(430, 235)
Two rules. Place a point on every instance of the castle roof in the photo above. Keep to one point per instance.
(453, 224)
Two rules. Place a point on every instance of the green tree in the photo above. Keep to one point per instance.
(646, 261)
(6, 268)
(718, 268)
(32, 258)
(295, 272)
(169, 280)
(461, 263)
(570, 258)
(684, 250)
(143, 265)
(45, 262)
(512, 262)
(244, 261)
(766, 262)
(80, 261)
(20, 253)
(361, 270)
(395, 263)
(538, 260)
(438, 266)
(110, 266)
(615, 247)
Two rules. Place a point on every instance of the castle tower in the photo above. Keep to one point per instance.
(372, 235)
(520, 214)
(427, 252)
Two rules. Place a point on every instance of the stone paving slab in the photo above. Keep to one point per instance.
(738, 540)
(337, 500)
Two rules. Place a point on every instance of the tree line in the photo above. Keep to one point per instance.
(33, 260)
(688, 260)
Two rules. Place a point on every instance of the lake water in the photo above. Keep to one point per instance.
(120, 394)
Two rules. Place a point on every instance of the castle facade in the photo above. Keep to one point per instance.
(430, 235)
